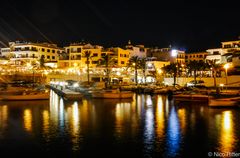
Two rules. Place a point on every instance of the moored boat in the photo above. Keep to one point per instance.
(71, 95)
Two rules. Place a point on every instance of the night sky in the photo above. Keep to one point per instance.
(191, 26)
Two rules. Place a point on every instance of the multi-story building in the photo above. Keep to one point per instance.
(224, 54)
(22, 52)
(138, 50)
(123, 56)
(217, 55)
(75, 55)
(195, 56)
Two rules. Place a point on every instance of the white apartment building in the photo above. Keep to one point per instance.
(28, 52)
(224, 54)
(138, 50)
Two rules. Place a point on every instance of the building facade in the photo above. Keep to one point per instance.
(195, 56)
(167, 54)
(75, 55)
(22, 52)
(138, 50)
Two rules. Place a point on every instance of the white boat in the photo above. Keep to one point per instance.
(26, 96)
(113, 94)
(71, 95)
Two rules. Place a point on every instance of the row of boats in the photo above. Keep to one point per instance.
(21, 93)
(94, 93)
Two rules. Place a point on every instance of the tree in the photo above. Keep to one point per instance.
(195, 66)
(107, 61)
(212, 65)
(171, 69)
(41, 62)
(134, 62)
(143, 66)
(87, 55)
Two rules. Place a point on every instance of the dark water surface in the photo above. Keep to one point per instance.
(148, 126)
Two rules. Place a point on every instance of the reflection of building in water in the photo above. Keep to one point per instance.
(227, 138)
(3, 118)
(27, 120)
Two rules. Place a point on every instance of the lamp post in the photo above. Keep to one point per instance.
(174, 54)
(226, 66)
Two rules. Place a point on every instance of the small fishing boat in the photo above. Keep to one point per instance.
(71, 95)
(112, 94)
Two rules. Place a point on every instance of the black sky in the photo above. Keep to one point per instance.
(192, 26)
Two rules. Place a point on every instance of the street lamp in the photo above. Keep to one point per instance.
(174, 54)
(226, 66)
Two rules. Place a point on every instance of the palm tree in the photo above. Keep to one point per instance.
(143, 66)
(87, 55)
(41, 62)
(215, 67)
(107, 61)
(134, 62)
(171, 69)
(195, 66)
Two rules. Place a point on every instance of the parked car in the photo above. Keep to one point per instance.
(199, 84)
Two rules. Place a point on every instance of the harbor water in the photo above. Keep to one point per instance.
(147, 126)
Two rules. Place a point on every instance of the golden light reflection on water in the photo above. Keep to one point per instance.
(122, 113)
(54, 112)
(182, 120)
(85, 113)
(227, 139)
(27, 120)
(160, 118)
(3, 118)
(45, 115)
(74, 123)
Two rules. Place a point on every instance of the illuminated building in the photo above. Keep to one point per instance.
(26, 52)
(138, 50)
(196, 56)
(167, 54)
(75, 55)
(226, 53)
